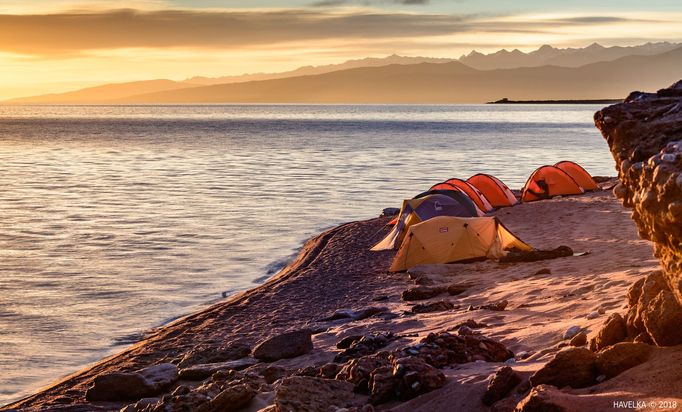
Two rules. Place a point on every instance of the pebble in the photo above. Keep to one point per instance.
(571, 332)
(593, 315)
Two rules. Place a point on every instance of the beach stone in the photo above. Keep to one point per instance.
(203, 371)
(271, 373)
(443, 349)
(495, 306)
(536, 255)
(302, 393)
(203, 354)
(579, 340)
(358, 371)
(366, 345)
(621, 357)
(543, 271)
(458, 288)
(286, 345)
(612, 332)
(354, 314)
(439, 306)
(572, 331)
(592, 315)
(500, 384)
(574, 367)
(540, 400)
(346, 342)
(663, 319)
(144, 383)
(415, 377)
(329, 370)
(382, 385)
(422, 292)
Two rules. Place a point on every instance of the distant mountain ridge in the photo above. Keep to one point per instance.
(547, 55)
(441, 83)
(568, 58)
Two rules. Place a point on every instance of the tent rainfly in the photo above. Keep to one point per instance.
(447, 239)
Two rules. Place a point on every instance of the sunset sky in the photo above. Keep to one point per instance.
(51, 46)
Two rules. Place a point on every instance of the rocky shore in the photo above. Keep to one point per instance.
(335, 331)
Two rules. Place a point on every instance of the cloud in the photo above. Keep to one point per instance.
(337, 3)
(73, 33)
(65, 33)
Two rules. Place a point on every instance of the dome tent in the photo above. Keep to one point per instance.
(549, 181)
(422, 209)
(446, 239)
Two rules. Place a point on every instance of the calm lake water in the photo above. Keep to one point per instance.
(115, 220)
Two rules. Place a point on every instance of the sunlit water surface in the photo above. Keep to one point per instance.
(115, 220)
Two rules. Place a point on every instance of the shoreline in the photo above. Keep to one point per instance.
(335, 270)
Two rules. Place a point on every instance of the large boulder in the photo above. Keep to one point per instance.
(126, 386)
(303, 393)
(621, 357)
(612, 332)
(501, 383)
(541, 399)
(286, 345)
(644, 134)
(574, 367)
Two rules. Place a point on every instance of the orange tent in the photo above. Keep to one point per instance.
(473, 193)
(548, 181)
(497, 193)
(578, 174)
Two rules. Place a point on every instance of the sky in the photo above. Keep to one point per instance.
(59, 45)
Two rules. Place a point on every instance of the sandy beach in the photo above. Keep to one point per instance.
(336, 271)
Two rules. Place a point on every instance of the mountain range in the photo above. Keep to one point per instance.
(593, 72)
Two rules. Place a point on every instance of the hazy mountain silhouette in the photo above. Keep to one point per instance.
(569, 57)
(491, 76)
(104, 93)
(451, 82)
(311, 70)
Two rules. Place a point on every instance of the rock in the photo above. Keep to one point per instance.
(592, 315)
(272, 373)
(621, 357)
(346, 342)
(540, 400)
(458, 288)
(470, 323)
(329, 370)
(612, 332)
(501, 383)
(354, 314)
(643, 136)
(203, 371)
(496, 306)
(543, 271)
(225, 391)
(358, 371)
(301, 393)
(535, 255)
(422, 292)
(574, 367)
(579, 340)
(414, 377)
(211, 354)
(126, 386)
(572, 331)
(286, 345)
(662, 319)
(601, 311)
(366, 345)
(443, 349)
(439, 306)
(382, 385)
